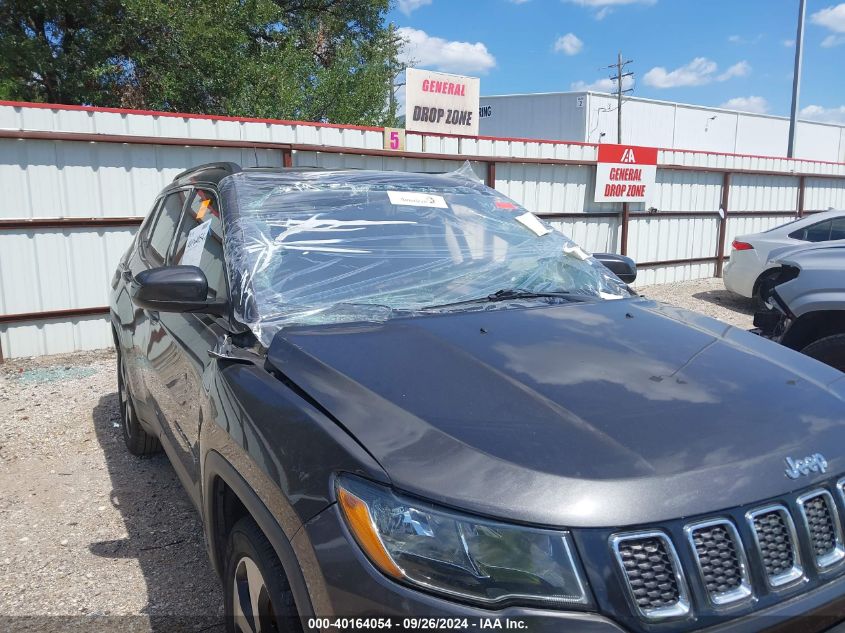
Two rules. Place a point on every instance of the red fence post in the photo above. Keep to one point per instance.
(801, 197)
(491, 174)
(287, 157)
(623, 246)
(723, 224)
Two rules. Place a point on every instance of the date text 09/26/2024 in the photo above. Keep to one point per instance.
(418, 624)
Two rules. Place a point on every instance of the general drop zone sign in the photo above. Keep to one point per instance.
(441, 103)
(625, 173)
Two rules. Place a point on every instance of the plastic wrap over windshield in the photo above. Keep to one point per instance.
(316, 247)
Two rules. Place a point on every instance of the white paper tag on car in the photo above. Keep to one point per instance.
(577, 252)
(532, 222)
(196, 242)
(417, 199)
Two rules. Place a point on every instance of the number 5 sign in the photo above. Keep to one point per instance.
(394, 138)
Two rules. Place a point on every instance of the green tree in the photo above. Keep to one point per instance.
(319, 60)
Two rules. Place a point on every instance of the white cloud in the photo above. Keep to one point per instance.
(602, 85)
(832, 18)
(789, 43)
(827, 115)
(740, 69)
(699, 72)
(409, 6)
(605, 7)
(569, 44)
(739, 39)
(518, 1)
(833, 40)
(427, 51)
(758, 105)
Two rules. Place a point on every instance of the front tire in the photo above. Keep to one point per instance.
(830, 350)
(257, 593)
(137, 440)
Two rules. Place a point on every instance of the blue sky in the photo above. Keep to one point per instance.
(731, 53)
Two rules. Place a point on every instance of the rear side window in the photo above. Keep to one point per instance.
(165, 225)
(199, 241)
(819, 232)
(837, 230)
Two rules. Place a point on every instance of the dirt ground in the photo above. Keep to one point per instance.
(91, 534)
(93, 538)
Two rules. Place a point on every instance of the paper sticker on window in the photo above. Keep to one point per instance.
(196, 242)
(502, 204)
(576, 251)
(417, 199)
(533, 223)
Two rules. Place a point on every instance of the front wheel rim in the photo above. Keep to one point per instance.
(252, 608)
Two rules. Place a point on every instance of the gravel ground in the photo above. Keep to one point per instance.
(707, 296)
(93, 538)
(88, 530)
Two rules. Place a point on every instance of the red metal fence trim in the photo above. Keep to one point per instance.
(46, 315)
(67, 223)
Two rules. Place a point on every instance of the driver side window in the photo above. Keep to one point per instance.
(199, 241)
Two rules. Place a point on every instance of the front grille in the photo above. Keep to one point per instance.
(819, 514)
(776, 544)
(722, 551)
(721, 560)
(652, 573)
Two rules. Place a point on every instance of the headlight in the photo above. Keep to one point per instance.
(462, 556)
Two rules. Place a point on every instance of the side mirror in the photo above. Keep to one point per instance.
(623, 267)
(174, 289)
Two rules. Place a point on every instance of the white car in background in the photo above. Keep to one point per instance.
(749, 262)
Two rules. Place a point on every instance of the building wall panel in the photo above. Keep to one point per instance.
(653, 239)
(596, 235)
(758, 192)
(745, 225)
(821, 194)
(38, 338)
(681, 190)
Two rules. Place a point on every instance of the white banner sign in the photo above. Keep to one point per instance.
(441, 103)
(625, 173)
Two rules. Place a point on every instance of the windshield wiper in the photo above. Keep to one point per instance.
(511, 294)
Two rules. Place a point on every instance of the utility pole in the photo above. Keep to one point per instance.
(620, 76)
(796, 78)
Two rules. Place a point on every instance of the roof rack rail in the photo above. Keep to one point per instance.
(225, 167)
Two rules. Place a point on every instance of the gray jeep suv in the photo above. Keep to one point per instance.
(402, 400)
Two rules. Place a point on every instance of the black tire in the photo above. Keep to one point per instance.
(830, 350)
(138, 441)
(274, 598)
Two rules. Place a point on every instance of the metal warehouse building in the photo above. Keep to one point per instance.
(590, 117)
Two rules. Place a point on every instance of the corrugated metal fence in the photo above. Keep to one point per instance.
(76, 182)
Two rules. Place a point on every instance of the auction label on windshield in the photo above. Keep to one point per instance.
(417, 199)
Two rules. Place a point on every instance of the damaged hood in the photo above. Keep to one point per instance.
(600, 413)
